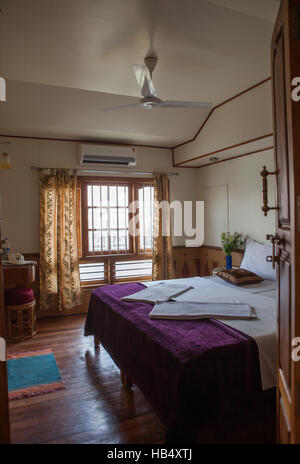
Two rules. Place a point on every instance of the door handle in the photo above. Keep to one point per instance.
(275, 240)
(264, 174)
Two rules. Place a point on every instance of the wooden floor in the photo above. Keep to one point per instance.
(94, 407)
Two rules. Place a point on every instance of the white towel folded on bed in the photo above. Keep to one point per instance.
(200, 310)
(158, 293)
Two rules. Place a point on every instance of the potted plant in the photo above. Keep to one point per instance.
(230, 242)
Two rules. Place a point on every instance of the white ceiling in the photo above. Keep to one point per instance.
(64, 60)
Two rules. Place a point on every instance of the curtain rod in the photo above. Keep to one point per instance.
(38, 168)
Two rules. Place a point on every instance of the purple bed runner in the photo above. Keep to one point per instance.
(189, 371)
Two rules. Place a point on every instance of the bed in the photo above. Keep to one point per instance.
(208, 380)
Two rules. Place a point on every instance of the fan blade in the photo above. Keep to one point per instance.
(132, 105)
(144, 80)
(184, 104)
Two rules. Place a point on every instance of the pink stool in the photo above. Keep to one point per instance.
(20, 313)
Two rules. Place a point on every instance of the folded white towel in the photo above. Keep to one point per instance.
(158, 293)
(200, 310)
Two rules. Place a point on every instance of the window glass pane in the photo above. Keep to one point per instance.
(96, 195)
(147, 198)
(146, 217)
(148, 242)
(113, 240)
(91, 272)
(122, 196)
(105, 246)
(123, 240)
(97, 218)
(97, 241)
(89, 195)
(131, 269)
(104, 195)
(112, 196)
(91, 243)
(122, 217)
(141, 220)
(90, 218)
(104, 212)
(113, 218)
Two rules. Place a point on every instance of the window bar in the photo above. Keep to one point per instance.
(101, 224)
(140, 210)
(108, 219)
(144, 223)
(151, 213)
(93, 231)
(126, 217)
(118, 234)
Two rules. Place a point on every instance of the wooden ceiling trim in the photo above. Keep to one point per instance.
(221, 104)
(97, 142)
(233, 157)
(223, 149)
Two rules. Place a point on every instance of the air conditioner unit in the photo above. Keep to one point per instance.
(109, 155)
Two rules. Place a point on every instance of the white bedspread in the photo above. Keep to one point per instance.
(263, 329)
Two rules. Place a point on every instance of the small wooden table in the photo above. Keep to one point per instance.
(19, 274)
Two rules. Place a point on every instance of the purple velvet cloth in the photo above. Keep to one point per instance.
(189, 371)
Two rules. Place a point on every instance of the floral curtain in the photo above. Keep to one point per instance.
(163, 265)
(59, 269)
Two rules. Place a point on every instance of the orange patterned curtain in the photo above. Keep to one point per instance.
(59, 269)
(163, 265)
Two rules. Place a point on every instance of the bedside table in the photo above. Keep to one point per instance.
(219, 269)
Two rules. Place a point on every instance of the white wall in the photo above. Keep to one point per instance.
(232, 192)
(19, 187)
(244, 118)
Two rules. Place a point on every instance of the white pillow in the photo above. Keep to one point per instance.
(255, 260)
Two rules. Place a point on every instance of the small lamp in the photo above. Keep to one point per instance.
(5, 159)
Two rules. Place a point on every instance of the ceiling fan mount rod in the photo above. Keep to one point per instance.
(151, 62)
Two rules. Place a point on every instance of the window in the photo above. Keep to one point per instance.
(107, 209)
(115, 229)
(92, 272)
(132, 269)
(145, 200)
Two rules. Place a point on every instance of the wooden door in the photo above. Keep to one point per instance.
(285, 60)
(4, 412)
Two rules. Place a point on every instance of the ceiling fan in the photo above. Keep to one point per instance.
(150, 100)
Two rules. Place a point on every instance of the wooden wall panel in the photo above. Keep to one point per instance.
(187, 262)
(190, 262)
